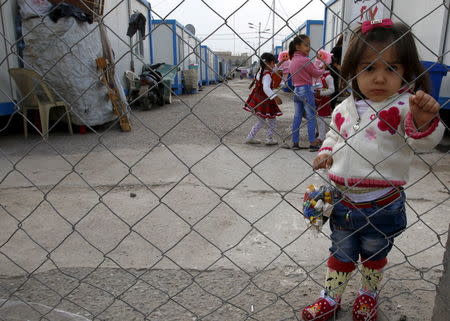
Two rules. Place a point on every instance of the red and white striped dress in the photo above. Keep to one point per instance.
(259, 103)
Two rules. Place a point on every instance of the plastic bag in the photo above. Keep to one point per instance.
(318, 204)
(34, 8)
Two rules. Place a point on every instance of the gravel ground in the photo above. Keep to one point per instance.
(219, 295)
(268, 274)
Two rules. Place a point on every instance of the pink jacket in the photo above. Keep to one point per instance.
(302, 70)
(284, 66)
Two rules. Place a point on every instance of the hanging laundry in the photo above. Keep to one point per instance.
(137, 22)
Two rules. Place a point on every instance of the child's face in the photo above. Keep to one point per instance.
(271, 64)
(379, 75)
(304, 47)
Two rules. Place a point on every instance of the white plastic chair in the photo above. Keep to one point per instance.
(36, 95)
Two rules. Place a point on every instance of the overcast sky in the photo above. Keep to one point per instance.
(207, 22)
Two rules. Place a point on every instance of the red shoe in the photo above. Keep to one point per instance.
(321, 310)
(365, 308)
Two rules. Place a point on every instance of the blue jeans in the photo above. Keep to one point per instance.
(366, 232)
(304, 102)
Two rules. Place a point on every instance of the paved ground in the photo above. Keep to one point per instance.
(179, 220)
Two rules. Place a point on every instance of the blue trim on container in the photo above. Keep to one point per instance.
(278, 49)
(7, 108)
(436, 71)
(150, 38)
(216, 68)
(208, 66)
(173, 21)
(325, 24)
(168, 21)
(201, 64)
(178, 90)
(205, 49)
(308, 24)
(145, 3)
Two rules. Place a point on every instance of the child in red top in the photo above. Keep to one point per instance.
(323, 102)
(263, 101)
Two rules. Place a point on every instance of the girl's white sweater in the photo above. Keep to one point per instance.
(376, 149)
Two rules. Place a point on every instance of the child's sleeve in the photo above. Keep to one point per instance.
(267, 81)
(330, 84)
(423, 140)
(332, 135)
(313, 70)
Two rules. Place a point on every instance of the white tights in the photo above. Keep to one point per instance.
(272, 122)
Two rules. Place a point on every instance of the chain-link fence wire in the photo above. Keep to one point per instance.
(211, 292)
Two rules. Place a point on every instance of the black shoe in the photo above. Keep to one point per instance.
(290, 146)
(314, 148)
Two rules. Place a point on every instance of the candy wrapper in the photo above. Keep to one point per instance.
(318, 204)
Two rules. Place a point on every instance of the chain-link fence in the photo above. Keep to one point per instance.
(166, 214)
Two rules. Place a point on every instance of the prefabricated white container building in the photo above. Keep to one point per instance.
(209, 66)
(173, 44)
(432, 32)
(116, 17)
(429, 21)
(224, 69)
(194, 56)
(313, 29)
(332, 24)
(130, 52)
(216, 68)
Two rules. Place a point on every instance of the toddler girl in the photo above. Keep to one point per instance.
(368, 151)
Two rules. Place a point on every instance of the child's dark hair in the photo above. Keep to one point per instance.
(400, 37)
(264, 59)
(298, 40)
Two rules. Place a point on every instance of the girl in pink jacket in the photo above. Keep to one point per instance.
(302, 72)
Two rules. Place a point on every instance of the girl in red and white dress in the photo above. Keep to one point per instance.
(263, 101)
(323, 103)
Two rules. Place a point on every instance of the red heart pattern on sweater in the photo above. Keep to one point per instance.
(389, 120)
(339, 120)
